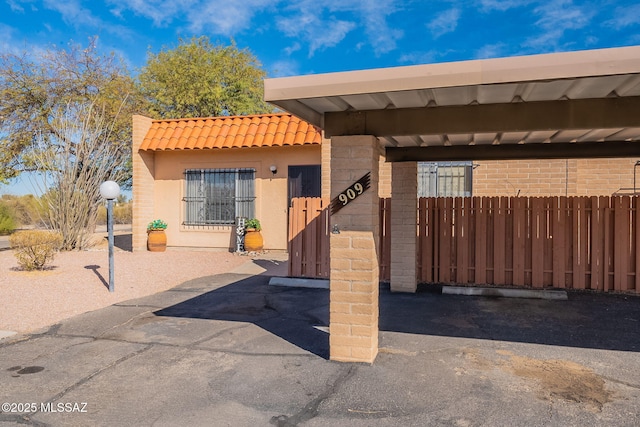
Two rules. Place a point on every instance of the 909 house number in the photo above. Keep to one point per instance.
(351, 193)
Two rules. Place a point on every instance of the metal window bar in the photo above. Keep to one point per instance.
(218, 196)
(444, 179)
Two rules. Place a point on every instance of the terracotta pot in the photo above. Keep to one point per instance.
(156, 240)
(253, 241)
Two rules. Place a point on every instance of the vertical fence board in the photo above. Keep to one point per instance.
(518, 240)
(295, 238)
(621, 246)
(596, 243)
(480, 213)
(538, 233)
(558, 212)
(499, 238)
(462, 239)
(426, 243)
(385, 239)
(445, 213)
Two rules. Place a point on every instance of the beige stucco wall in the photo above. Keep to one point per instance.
(271, 192)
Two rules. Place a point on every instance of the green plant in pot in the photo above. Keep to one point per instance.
(253, 238)
(156, 236)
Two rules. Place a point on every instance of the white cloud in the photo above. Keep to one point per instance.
(445, 22)
(496, 50)
(625, 16)
(161, 12)
(284, 68)
(503, 5)
(313, 21)
(556, 17)
(382, 37)
(225, 17)
(319, 34)
(317, 23)
(72, 12)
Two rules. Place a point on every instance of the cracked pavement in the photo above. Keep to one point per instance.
(231, 350)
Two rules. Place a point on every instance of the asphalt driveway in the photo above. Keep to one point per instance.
(232, 350)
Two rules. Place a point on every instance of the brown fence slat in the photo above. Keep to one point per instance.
(596, 242)
(559, 205)
(519, 233)
(621, 206)
(499, 239)
(480, 213)
(538, 237)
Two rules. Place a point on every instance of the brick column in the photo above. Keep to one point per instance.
(404, 239)
(325, 167)
(143, 184)
(354, 286)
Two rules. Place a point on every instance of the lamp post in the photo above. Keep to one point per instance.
(110, 190)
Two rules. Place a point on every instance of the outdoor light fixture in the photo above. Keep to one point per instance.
(110, 190)
(273, 169)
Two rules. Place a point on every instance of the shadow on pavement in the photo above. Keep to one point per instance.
(609, 322)
(289, 313)
(586, 320)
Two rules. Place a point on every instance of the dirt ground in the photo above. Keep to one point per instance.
(77, 281)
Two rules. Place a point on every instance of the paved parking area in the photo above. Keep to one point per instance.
(232, 350)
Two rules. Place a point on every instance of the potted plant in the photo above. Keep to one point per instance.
(252, 238)
(156, 236)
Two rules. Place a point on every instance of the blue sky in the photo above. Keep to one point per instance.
(318, 36)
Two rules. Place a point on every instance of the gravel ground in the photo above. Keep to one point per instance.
(78, 282)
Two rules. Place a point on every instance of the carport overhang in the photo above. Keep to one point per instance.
(564, 105)
(587, 103)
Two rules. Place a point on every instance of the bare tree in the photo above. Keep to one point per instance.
(74, 159)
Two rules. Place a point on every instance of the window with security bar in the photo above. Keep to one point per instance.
(445, 179)
(218, 196)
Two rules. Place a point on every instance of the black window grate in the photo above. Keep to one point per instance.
(218, 196)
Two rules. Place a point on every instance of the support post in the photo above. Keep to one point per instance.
(354, 279)
(404, 229)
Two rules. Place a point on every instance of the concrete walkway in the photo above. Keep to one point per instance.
(230, 350)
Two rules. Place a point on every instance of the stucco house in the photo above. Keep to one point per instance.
(199, 174)
(173, 157)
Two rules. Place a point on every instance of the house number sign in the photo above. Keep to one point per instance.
(351, 193)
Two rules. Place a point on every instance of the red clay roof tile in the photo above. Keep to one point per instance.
(264, 130)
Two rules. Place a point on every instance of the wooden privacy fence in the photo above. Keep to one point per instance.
(560, 242)
(308, 244)
(309, 232)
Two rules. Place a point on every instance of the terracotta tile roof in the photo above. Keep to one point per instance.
(264, 130)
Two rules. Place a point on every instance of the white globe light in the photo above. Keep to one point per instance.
(109, 190)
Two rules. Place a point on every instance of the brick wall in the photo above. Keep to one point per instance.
(560, 177)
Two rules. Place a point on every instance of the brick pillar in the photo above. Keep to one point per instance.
(143, 184)
(325, 167)
(404, 239)
(354, 286)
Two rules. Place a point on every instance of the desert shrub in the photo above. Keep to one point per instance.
(7, 219)
(122, 213)
(26, 210)
(34, 249)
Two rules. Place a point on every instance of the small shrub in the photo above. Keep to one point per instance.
(7, 219)
(253, 223)
(34, 249)
(156, 224)
(122, 213)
